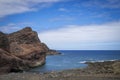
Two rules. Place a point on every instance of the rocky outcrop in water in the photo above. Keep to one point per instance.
(21, 50)
(50, 51)
(53, 52)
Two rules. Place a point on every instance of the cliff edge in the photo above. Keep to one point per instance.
(21, 50)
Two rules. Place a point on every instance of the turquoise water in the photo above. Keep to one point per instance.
(71, 59)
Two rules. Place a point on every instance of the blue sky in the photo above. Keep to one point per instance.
(66, 24)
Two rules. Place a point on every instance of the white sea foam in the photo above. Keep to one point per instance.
(83, 62)
(113, 60)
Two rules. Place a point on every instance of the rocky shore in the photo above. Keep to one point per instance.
(109, 70)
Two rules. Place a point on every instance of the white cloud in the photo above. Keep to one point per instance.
(9, 28)
(12, 27)
(80, 37)
(8, 7)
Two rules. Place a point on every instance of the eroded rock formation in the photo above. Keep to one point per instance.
(21, 50)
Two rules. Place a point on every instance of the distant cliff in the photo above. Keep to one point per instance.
(21, 50)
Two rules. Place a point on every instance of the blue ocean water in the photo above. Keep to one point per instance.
(71, 59)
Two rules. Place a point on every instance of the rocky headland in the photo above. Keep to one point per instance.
(22, 50)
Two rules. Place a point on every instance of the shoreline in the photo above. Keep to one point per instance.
(109, 70)
(82, 62)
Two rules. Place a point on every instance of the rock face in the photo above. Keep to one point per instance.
(24, 42)
(21, 50)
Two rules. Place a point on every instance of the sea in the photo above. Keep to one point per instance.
(72, 59)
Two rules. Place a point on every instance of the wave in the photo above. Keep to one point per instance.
(93, 61)
(82, 62)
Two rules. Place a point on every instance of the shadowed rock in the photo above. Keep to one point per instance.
(4, 43)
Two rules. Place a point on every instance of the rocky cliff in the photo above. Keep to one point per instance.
(21, 50)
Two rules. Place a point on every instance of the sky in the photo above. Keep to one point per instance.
(66, 24)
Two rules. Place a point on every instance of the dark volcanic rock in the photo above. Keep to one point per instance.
(21, 50)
